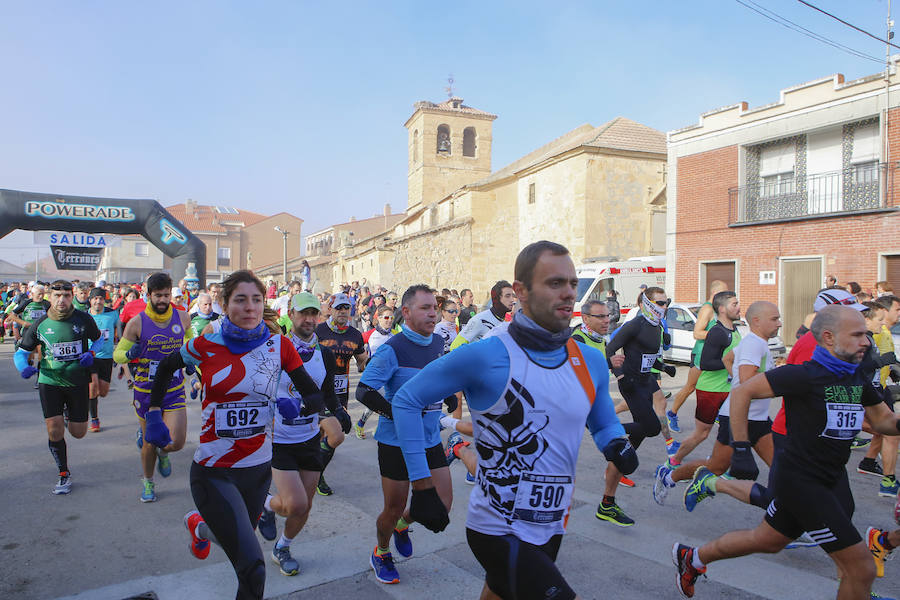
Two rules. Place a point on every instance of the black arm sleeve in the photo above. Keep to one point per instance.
(331, 401)
(303, 383)
(373, 400)
(167, 367)
(622, 337)
(716, 342)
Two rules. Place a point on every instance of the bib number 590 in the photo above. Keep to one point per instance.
(546, 496)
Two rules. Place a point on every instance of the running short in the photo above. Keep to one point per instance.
(708, 405)
(55, 398)
(302, 456)
(392, 465)
(755, 429)
(825, 512)
(171, 401)
(103, 368)
(517, 570)
(344, 399)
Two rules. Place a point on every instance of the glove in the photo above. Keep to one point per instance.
(133, 352)
(452, 402)
(157, 432)
(190, 369)
(743, 465)
(621, 453)
(427, 508)
(312, 404)
(344, 419)
(86, 359)
(670, 370)
(288, 408)
(888, 358)
(28, 371)
(666, 339)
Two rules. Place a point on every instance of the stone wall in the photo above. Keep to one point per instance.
(438, 256)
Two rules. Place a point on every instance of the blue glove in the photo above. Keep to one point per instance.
(621, 453)
(190, 369)
(28, 371)
(157, 432)
(288, 408)
(134, 351)
(86, 359)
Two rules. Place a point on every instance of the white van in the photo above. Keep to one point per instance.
(596, 277)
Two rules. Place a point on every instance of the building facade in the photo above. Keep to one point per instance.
(131, 261)
(775, 198)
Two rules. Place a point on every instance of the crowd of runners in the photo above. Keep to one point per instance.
(513, 384)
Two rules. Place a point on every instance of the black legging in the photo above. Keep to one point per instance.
(638, 395)
(230, 500)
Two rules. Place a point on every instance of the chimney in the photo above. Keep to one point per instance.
(387, 209)
(352, 219)
(189, 206)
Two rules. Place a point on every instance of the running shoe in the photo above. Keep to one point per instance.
(402, 542)
(673, 421)
(360, 430)
(627, 482)
(64, 485)
(869, 466)
(879, 552)
(281, 556)
(199, 546)
(131, 384)
(672, 449)
(164, 464)
(804, 541)
(470, 479)
(889, 487)
(667, 395)
(149, 492)
(384, 568)
(452, 442)
(897, 510)
(859, 443)
(660, 487)
(266, 524)
(698, 490)
(614, 515)
(874, 596)
(322, 488)
(95, 425)
(683, 557)
(139, 438)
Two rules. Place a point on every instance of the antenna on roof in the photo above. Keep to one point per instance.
(449, 88)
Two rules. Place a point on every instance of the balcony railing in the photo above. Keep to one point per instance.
(861, 188)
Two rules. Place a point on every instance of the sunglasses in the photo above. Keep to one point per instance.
(452, 312)
(387, 317)
(603, 316)
(662, 302)
(61, 287)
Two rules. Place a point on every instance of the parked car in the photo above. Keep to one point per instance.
(681, 319)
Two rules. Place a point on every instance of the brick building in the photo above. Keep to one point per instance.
(773, 199)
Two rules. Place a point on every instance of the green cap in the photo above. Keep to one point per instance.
(305, 300)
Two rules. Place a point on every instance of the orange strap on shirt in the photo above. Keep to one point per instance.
(576, 359)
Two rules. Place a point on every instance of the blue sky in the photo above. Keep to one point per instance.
(299, 106)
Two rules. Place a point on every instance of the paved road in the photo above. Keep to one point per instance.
(100, 542)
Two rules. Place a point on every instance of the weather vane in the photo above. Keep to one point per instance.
(449, 88)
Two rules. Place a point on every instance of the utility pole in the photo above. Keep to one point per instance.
(284, 236)
(889, 175)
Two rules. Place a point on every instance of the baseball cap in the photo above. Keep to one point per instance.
(836, 296)
(304, 300)
(176, 292)
(341, 299)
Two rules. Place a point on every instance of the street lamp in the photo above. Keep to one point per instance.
(284, 235)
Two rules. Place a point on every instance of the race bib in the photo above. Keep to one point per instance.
(647, 361)
(152, 366)
(64, 351)
(844, 420)
(241, 419)
(104, 333)
(341, 383)
(302, 422)
(34, 315)
(543, 498)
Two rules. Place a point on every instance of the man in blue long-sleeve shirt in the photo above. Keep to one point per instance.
(531, 391)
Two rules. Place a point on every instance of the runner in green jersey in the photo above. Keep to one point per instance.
(62, 338)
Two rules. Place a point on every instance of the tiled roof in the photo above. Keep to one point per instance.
(452, 105)
(618, 134)
(205, 218)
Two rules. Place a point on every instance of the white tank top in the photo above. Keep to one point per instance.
(302, 428)
(530, 437)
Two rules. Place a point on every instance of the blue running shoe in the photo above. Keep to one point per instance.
(139, 438)
(164, 464)
(149, 491)
(266, 525)
(804, 541)
(453, 441)
(673, 421)
(699, 489)
(384, 568)
(672, 449)
(660, 487)
(889, 487)
(402, 542)
(470, 479)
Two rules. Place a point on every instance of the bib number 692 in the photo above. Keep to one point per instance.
(241, 417)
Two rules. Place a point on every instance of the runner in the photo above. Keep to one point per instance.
(825, 400)
(202, 315)
(706, 318)
(383, 331)
(467, 308)
(529, 425)
(344, 341)
(30, 308)
(82, 292)
(446, 328)
(297, 459)
(149, 337)
(640, 340)
(502, 299)
(60, 338)
(231, 472)
(751, 356)
(101, 371)
(395, 363)
(716, 360)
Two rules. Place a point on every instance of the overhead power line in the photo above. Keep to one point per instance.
(851, 25)
(784, 22)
